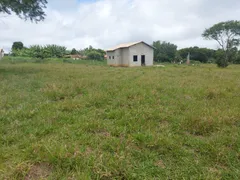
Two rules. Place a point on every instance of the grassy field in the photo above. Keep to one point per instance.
(91, 121)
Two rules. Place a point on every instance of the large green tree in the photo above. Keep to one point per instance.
(164, 52)
(74, 51)
(26, 9)
(227, 34)
(17, 46)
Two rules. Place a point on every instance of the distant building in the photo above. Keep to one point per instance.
(131, 54)
(1, 53)
(75, 57)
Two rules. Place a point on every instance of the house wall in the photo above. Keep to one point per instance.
(111, 61)
(118, 56)
(121, 57)
(139, 50)
(124, 56)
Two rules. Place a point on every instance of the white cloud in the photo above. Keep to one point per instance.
(105, 23)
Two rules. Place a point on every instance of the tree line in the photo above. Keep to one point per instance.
(167, 52)
(55, 51)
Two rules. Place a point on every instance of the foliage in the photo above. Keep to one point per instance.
(178, 57)
(94, 55)
(25, 9)
(17, 46)
(219, 56)
(74, 51)
(91, 122)
(237, 59)
(200, 54)
(164, 52)
(227, 34)
(37, 51)
(55, 51)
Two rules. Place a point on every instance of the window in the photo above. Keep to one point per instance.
(109, 57)
(113, 57)
(135, 58)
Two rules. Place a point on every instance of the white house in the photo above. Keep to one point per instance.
(131, 54)
(1, 53)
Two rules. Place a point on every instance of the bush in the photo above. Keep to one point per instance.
(95, 55)
(220, 59)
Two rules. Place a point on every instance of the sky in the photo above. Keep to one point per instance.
(106, 23)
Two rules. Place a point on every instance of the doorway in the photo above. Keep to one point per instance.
(143, 60)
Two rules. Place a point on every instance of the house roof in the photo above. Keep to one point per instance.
(127, 45)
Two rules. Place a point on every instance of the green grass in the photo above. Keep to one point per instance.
(91, 121)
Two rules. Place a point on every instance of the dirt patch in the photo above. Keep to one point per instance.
(39, 171)
(163, 124)
(194, 135)
(88, 151)
(103, 133)
(160, 164)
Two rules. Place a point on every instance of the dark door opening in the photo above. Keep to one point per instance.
(143, 60)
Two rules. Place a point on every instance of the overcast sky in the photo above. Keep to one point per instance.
(106, 23)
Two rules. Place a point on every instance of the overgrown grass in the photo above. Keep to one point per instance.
(88, 121)
(17, 60)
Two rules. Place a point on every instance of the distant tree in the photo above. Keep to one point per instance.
(74, 51)
(102, 52)
(94, 55)
(237, 60)
(17, 46)
(25, 9)
(48, 51)
(198, 54)
(227, 34)
(164, 52)
(178, 58)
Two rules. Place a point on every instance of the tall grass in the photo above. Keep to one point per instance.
(89, 121)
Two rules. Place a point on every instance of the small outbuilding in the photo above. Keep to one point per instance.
(131, 54)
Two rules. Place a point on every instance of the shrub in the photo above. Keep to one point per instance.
(95, 55)
(220, 59)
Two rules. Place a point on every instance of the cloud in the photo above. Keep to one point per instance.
(105, 23)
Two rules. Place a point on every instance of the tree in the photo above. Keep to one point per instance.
(198, 54)
(227, 34)
(17, 46)
(48, 51)
(92, 53)
(95, 55)
(164, 52)
(74, 51)
(25, 9)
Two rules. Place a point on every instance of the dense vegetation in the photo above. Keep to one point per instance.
(65, 121)
(164, 52)
(53, 51)
(167, 52)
